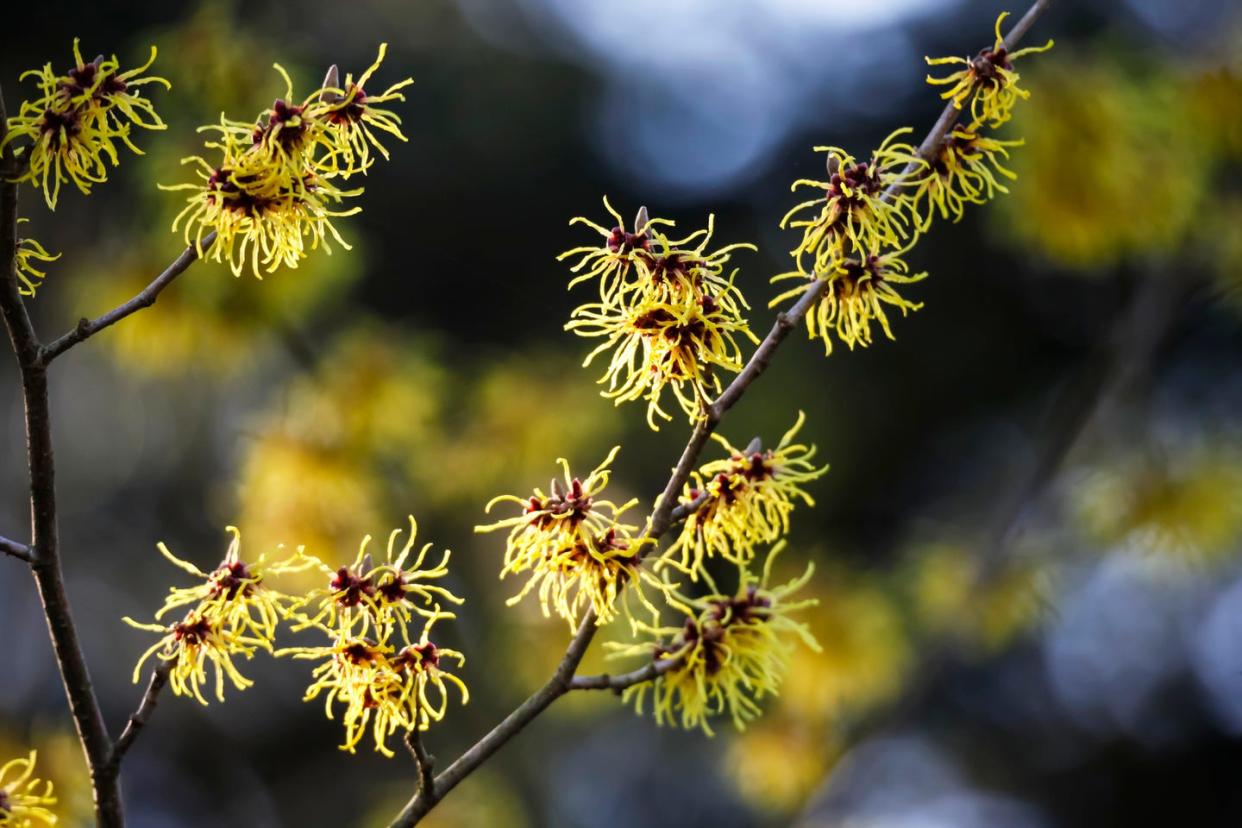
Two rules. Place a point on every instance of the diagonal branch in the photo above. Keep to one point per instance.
(138, 719)
(426, 764)
(667, 510)
(16, 550)
(145, 298)
(650, 671)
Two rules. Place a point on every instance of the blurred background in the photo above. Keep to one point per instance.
(1027, 545)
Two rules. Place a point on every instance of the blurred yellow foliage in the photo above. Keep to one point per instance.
(1183, 501)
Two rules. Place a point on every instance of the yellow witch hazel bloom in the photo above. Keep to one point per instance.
(647, 264)
(572, 547)
(988, 80)
(23, 797)
(681, 344)
(355, 114)
(731, 651)
(963, 172)
(855, 295)
(383, 692)
(271, 197)
(235, 593)
(748, 498)
(667, 312)
(28, 252)
(71, 131)
(856, 211)
(194, 643)
(364, 597)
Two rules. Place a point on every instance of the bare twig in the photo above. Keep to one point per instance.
(666, 506)
(14, 549)
(426, 764)
(145, 298)
(650, 671)
(138, 719)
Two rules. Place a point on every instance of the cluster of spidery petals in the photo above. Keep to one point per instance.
(988, 80)
(730, 652)
(24, 798)
(385, 679)
(856, 293)
(74, 128)
(967, 169)
(383, 688)
(233, 612)
(743, 501)
(863, 205)
(369, 598)
(25, 257)
(668, 315)
(272, 192)
(870, 214)
(572, 549)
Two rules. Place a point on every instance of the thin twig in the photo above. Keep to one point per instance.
(650, 671)
(45, 540)
(14, 549)
(666, 506)
(426, 764)
(138, 719)
(145, 298)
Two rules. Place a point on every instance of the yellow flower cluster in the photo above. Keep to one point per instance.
(386, 680)
(668, 314)
(743, 501)
(572, 546)
(29, 251)
(72, 130)
(272, 194)
(870, 213)
(233, 612)
(729, 653)
(988, 80)
(23, 797)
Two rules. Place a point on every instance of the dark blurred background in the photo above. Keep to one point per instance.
(1027, 546)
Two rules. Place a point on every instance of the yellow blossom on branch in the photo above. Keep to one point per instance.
(382, 691)
(746, 501)
(272, 195)
(365, 597)
(71, 131)
(963, 172)
(854, 296)
(988, 80)
(681, 344)
(23, 797)
(571, 546)
(235, 593)
(730, 652)
(194, 643)
(855, 211)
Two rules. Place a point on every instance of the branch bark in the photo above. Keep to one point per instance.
(145, 298)
(15, 549)
(138, 719)
(618, 683)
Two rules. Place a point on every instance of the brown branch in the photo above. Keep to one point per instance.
(145, 298)
(16, 550)
(138, 719)
(666, 510)
(45, 546)
(426, 765)
(618, 683)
